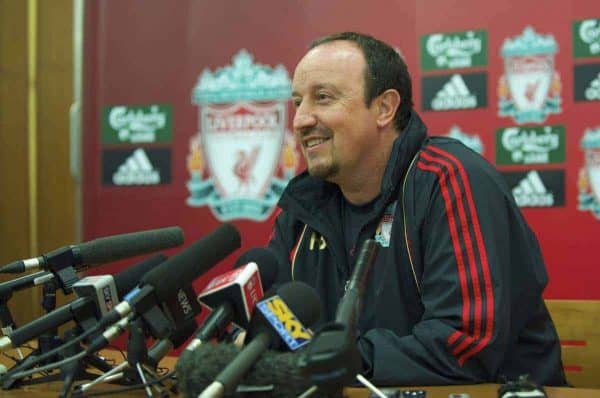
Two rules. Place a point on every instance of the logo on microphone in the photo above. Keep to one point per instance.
(108, 298)
(184, 302)
(283, 320)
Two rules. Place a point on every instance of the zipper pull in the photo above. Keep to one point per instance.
(346, 285)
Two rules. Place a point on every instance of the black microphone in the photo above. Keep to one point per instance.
(24, 282)
(9, 287)
(233, 295)
(96, 296)
(101, 250)
(274, 375)
(175, 340)
(171, 277)
(349, 306)
(284, 316)
(332, 359)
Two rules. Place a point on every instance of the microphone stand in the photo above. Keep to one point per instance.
(6, 319)
(130, 371)
(332, 359)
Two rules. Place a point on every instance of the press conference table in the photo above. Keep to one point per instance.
(474, 391)
(48, 390)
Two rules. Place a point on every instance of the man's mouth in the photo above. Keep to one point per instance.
(313, 142)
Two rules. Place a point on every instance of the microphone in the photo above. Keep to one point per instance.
(98, 251)
(275, 374)
(332, 358)
(96, 296)
(24, 282)
(9, 287)
(349, 306)
(175, 340)
(233, 295)
(173, 277)
(280, 317)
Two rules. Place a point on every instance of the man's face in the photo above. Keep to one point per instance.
(332, 122)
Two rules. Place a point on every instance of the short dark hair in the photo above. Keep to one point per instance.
(385, 69)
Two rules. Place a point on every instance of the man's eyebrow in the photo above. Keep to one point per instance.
(316, 87)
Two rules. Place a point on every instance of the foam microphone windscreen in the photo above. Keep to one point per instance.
(197, 369)
(117, 247)
(193, 261)
(130, 277)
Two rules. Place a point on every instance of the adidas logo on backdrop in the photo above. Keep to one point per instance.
(457, 91)
(136, 170)
(531, 192)
(454, 95)
(537, 188)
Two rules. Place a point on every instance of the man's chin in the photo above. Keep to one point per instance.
(326, 173)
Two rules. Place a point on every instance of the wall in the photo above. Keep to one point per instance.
(37, 210)
(158, 163)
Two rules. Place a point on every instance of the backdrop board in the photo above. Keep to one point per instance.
(187, 116)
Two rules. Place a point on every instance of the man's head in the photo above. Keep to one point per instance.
(385, 70)
(352, 95)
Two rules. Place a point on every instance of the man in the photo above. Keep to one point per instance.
(455, 293)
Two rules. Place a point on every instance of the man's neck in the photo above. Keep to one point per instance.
(362, 186)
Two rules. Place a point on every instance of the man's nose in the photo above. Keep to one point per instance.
(303, 119)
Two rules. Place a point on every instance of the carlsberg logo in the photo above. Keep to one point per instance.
(137, 124)
(586, 38)
(589, 32)
(454, 50)
(531, 145)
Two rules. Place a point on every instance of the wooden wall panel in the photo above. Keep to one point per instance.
(55, 188)
(14, 213)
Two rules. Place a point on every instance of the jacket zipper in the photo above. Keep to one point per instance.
(405, 228)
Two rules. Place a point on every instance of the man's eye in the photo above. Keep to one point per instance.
(296, 102)
(323, 96)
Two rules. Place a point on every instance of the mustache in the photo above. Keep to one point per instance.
(320, 130)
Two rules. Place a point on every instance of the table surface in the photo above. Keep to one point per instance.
(474, 391)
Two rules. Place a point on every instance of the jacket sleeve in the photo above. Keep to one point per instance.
(465, 328)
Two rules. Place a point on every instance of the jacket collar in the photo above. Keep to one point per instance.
(313, 194)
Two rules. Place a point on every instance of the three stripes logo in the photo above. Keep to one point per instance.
(458, 91)
(587, 82)
(138, 167)
(477, 315)
(537, 188)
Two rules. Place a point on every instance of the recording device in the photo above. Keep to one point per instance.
(283, 316)
(171, 278)
(523, 387)
(96, 297)
(233, 295)
(274, 375)
(332, 359)
(64, 262)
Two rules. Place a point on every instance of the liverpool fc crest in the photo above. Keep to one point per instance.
(243, 156)
(589, 175)
(530, 88)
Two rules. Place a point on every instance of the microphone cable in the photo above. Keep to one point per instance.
(24, 365)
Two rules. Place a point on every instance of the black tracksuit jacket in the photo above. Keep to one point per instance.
(456, 297)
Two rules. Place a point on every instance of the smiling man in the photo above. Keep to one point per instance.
(455, 294)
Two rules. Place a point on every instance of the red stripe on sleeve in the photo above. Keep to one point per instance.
(482, 254)
(455, 243)
(466, 234)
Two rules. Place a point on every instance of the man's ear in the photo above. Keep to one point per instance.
(387, 106)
